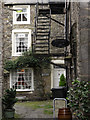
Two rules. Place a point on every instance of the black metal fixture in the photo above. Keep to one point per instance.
(60, 43)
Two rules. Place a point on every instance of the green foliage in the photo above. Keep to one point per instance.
(27, 60)
(9, 99)
(62, 81)
(78, 99)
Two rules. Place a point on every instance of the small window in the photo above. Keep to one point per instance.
(21, 41)
(21, 15)
(22, 79)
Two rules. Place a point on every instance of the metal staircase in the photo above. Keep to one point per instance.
(42, 33)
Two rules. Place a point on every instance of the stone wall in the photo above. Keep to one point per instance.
(57, 32)
(80, 17)
(42, 83)
(9, 26)
(84, 28)
(1, 44)
(42, 78)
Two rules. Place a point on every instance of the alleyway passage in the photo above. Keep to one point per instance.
(40, 109)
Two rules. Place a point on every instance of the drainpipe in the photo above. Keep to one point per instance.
(1, 76)
(66, 40)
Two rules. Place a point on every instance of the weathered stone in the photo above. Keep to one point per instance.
(1, 67)
(84, 22)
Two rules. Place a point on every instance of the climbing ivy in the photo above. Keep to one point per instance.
(78, 97)
(28, 59)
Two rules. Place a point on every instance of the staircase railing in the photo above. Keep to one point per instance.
(35, 32)
(49, 33)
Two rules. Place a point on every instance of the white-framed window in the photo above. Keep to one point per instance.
(22, 79)
(21, 14)
(21, 41)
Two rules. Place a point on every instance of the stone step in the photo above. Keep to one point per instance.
(44, 11)
(43, 24)
(41, 28)
(43, 31)
(41, 51)
(41, 46)
(41, 39)
(42, 35)
(41, 42)
(43, 18)
(44, 21)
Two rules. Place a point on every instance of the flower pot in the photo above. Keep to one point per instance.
(9, 113)
(64, 114)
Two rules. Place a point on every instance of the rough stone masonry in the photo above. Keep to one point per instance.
(0, 59)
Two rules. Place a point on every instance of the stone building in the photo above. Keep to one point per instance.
(78, 62)
(20, 23)
(36, 26)
(1, 66)
(33, 26)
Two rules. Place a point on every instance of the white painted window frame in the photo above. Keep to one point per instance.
(32, 87)
(28, 15)
(14, 53)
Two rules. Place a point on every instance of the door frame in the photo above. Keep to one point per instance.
(52, 70)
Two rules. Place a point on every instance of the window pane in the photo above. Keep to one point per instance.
(21, 15)
(24, 10)
(18, 17)
(24, 17)
(21, 80)
(21, 43)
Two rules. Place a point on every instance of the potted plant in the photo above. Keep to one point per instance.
(62, 82)
(8, 100)
(78, 97)
(60, 92)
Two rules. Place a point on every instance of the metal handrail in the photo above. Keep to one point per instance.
(36, 19)
(54, 104)
(49, 33)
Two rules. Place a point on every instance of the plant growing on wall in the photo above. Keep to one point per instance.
(28, 59)
(78, 99)
(62, 81)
